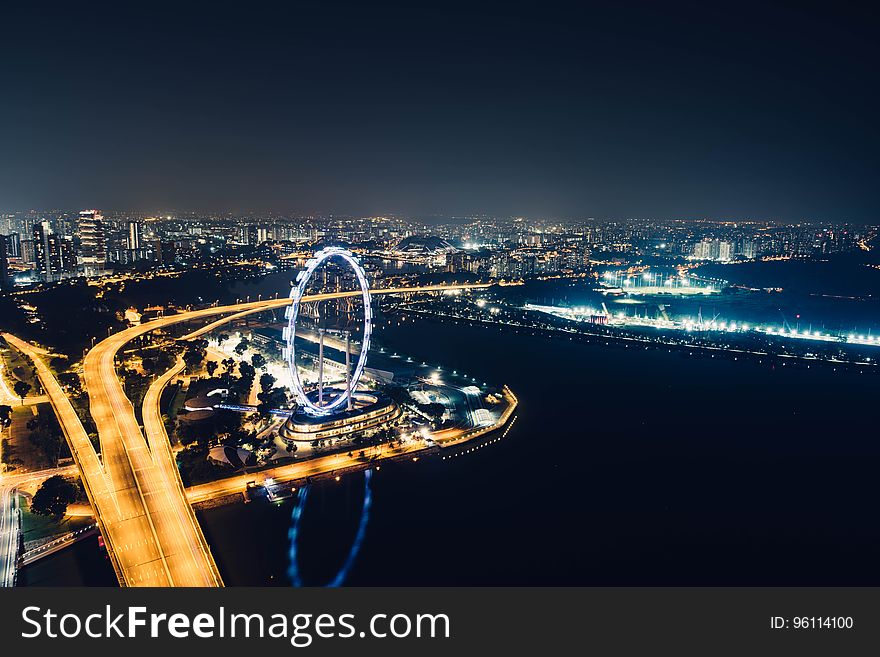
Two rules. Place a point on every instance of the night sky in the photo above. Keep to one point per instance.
(609, 109)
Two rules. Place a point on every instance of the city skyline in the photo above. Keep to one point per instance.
(380, 294)
(730, 111)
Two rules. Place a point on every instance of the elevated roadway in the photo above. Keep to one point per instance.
(141, 507)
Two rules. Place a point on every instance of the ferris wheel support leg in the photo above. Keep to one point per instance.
(348, 367)
(320, 367)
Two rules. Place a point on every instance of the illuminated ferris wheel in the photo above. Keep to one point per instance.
(346, 399)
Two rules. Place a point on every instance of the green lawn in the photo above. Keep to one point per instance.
(35, 527)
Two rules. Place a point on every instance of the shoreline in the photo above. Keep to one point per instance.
(233, 489)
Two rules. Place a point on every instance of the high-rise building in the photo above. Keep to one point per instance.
(13, 245)
(67, 251)
(4, 266)
(42, 252)
(165, 252)
(257, 235)
(134, 235)
(714, 250)
(706, 250)
(93, 241)
(27, 252)
(55, 256)
(748, 249)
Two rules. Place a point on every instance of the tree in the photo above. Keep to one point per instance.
(266, 382)
(160, 361)
(5, 416)
(223, 337)
(135, 385)
(271, 399)
(53, 497)
(258, 361)
(242, 346)
(70, 380)
(434, 409)
(193, 357)
(188, 433)
(247, 372)
(59, 363)
(211, 366)
(22, 388)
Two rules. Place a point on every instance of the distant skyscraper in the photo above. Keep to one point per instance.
(13, 245)
(67, 252)
(42, 252)
(55, 256)
(164, 252)
(706, 250)
(134, 235)
(93, 241)
(256, 235)
(27, 252)
(4, 266)
(714, 250)
(749, 248)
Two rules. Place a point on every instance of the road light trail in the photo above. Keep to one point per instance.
(253, 307)
(10, 484)
(299, 471)
(339, 461)
(163, 458)
(10, 398)
(148, 526)
(117, 515)
(8, 536)
(182, 557)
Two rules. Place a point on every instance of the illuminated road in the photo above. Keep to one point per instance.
(30, 481)
(56, 545)
(10, 528)
(342, 461)
(160, 447)
(286, 473)
(245, 309)
(8, 397)
(172, 549)
(149, 528)
(10, 484)
(121, 518)
(9, 532)
(295, 471)
(9, 521)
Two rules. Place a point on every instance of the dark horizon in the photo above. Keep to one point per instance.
(175, 214)
(733, 112)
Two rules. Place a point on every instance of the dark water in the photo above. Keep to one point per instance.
(625, 466)
(831, 296)
(840, 294)
(83, 564)
(846, 275)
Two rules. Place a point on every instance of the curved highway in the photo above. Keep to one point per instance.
(169, 547)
